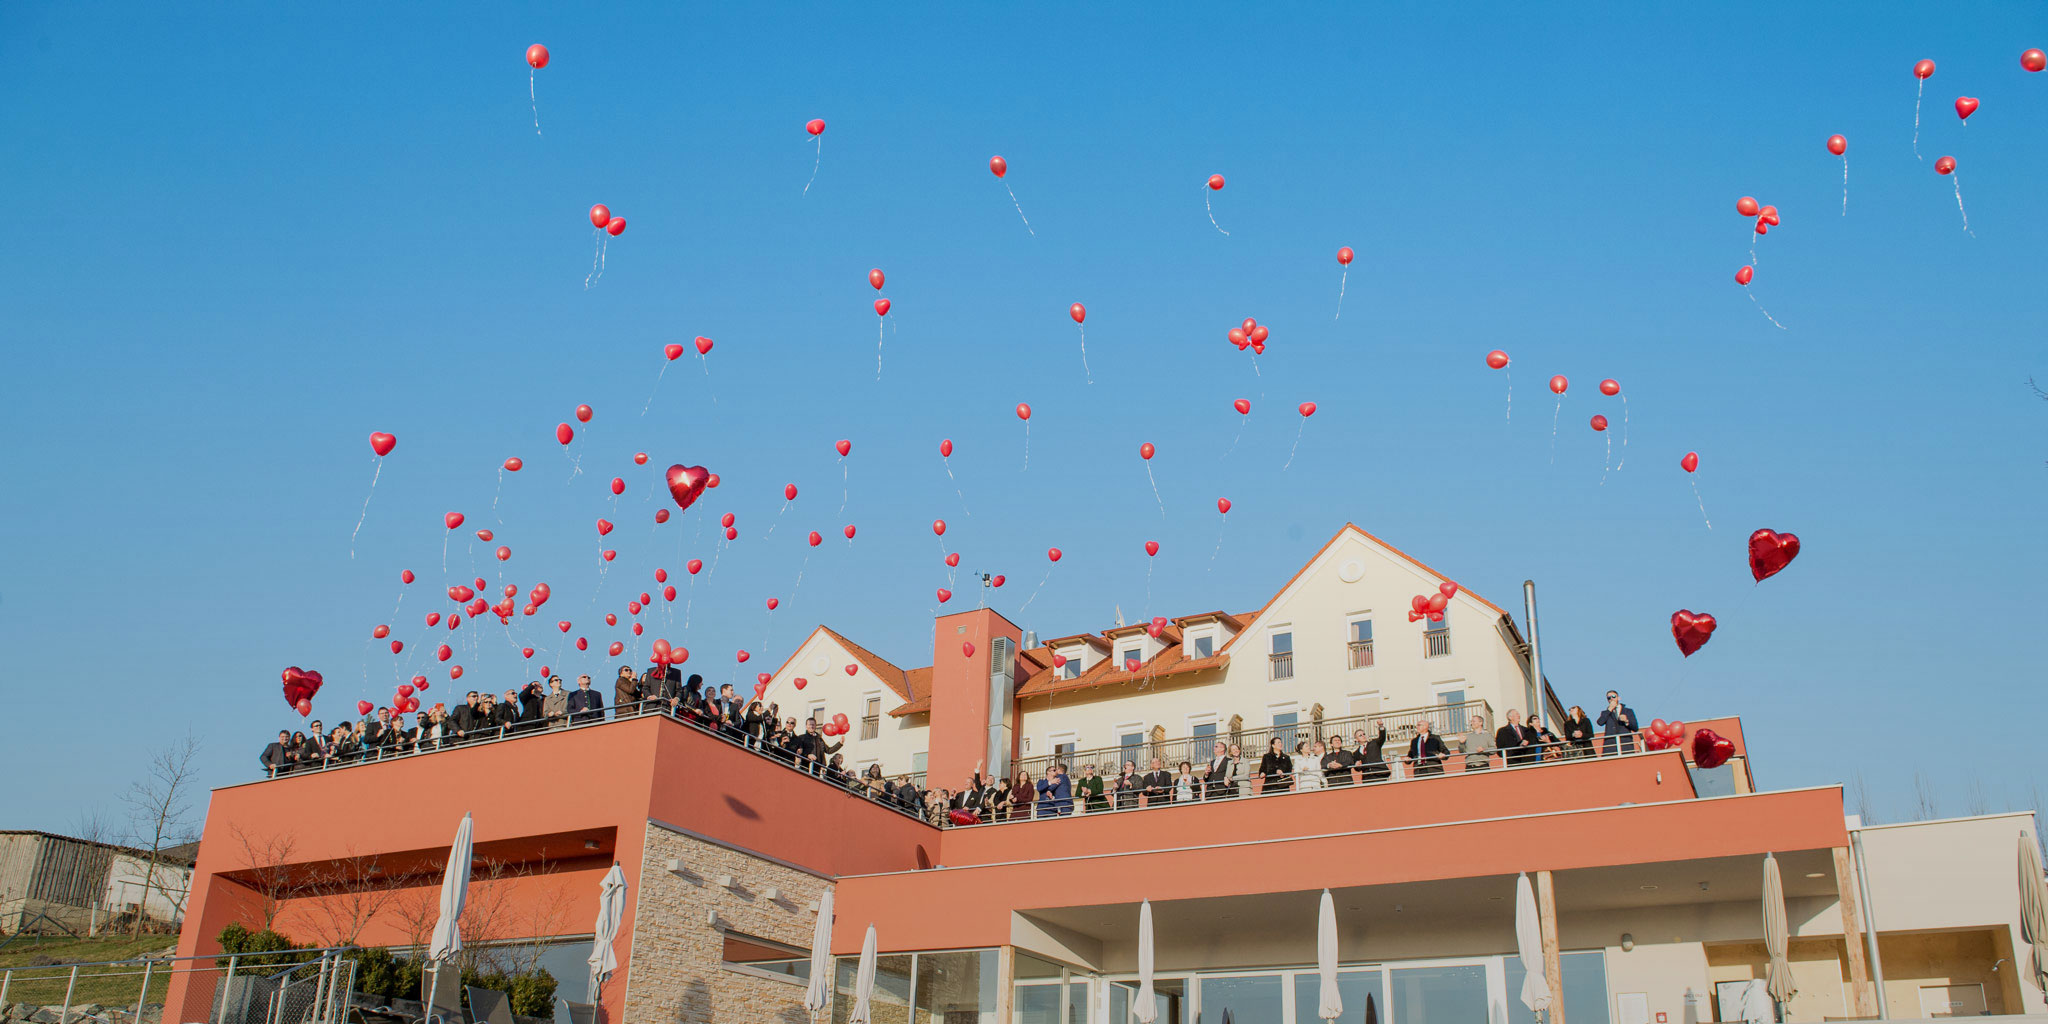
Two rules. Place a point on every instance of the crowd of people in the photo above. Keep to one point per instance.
(1313, 763)
(537, 707)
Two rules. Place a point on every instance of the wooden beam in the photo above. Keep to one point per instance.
(1863, 998)
(1553, 969)
(1006, 983)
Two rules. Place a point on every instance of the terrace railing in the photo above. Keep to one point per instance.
(302, 986)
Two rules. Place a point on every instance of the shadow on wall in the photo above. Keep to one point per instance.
(742, 808)
(924, 857)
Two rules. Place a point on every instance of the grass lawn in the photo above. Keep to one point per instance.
(115, 984)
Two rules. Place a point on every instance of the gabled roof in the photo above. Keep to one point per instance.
(900, 682)
(1334, 538)
(1172, 661)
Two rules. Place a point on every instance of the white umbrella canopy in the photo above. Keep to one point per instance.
(1777, 935)
(1529, 947)
(447, 939)
(2034, 908)
(864, 982)
(1329, 1002)
(818, 995)
(1147, 1009)
(611, 909)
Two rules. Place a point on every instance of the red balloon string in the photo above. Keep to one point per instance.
(1224, 520)
(1760, 308)
(1084, 354)
(1510, 371)
(842, 486)
(366, 509)
(657, 387)
(1035, 590)
(1027, 447)
(1702, 502)
(1297, 444)
(816, 163)
(1234, 440)
(1959, 202)
(1553, 426)
(1155, 489)
(1341, 282)
(1919, 90)
(1624, 434)
(1212, 210)
(948, 464)
(532, 100)
(596, 259)
(1845, 184)
(1019, 206)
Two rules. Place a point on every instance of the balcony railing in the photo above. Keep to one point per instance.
(1280, 665)
(1446, 720)
(1436, 643)
(1361, 653)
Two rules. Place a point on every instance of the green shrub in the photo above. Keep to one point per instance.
(533, 993)
(258, 953)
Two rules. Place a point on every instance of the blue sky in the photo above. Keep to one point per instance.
(236, 240)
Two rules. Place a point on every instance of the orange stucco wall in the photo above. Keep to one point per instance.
(978, 900)
(959, 731)
(534, 800)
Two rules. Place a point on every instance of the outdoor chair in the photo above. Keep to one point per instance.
(489, 1006)
(567, 1012)
(441, 1005)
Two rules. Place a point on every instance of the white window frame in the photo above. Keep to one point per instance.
(876, 696)
(1351, 622)
(1054, 739)
(1293, 651)
(1196, 718)
(817, 712)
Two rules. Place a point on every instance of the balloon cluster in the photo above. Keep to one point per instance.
(1250, 335)
(299, 687)
(1766, 216)
(1663, 735)
(601, 218)
(1431, 606)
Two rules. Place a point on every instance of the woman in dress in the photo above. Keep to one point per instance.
(1308, 765)
(1022, 793)
(1184, 784)
(1276, 767)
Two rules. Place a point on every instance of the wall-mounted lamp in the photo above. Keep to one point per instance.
(1628, 942)
(711, 918)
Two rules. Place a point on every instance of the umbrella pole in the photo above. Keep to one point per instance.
(433, 993)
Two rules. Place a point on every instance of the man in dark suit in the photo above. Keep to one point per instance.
(1219, 783)
(1517, 742)
(1158, 784)
(530, 714)
(466, 718)
(1618, 726)
(506, 714)
(585, 704)
(1370, 755)
(1426, 751)
(1337, 763)
(377, 733)
(274, 759)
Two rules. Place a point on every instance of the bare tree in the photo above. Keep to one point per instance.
(269, 857)
(1977, 802)
(1860, 792)
(160, 811)
(343, 897)
(1925, 806)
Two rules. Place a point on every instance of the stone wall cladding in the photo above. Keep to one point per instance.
(675, 971)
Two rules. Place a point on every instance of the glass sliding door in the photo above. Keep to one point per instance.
(953, 987)
(1585, 988)
(891, 1002)
(1170, 998)
(1353, 986)
(1244, 999)
(1446, 994)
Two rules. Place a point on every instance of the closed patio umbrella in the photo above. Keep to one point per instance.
(1529, 948)
(818, 995)
(1329, 1002)
(1777, 937)
(447, 940)
(611, 909)
(2034, 908)
(864, 982)
(1147, 1010)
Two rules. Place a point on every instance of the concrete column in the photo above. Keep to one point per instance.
(1006, 983)
(1553, 969)
(1862, 997)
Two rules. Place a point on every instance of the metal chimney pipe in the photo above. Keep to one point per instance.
(1536, 707)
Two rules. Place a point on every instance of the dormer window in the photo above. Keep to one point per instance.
(1072, 669)
(1131, 654)
(1204, 646)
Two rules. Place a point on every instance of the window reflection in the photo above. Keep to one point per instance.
(1352, 987)
(1585, 988)
(1252, 1000)
(1453, 994)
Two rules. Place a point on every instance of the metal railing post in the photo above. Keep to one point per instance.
(227, 985)
(69, 987)
(320, 989)
(6, 979)
(143, 999)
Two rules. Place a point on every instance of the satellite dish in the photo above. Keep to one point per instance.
(1351, 570)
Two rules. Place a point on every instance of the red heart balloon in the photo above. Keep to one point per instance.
(851, 669)
(300, 685)
(672, 351)
(1151, 547)
(1691, 631)
(686, 483)
(774, 603)
(1770, 552)
(1243, 406)
(703, 345)
(1965, 106)
(382, 443)
(945, 595)
(604, 527)
(800, 681)
(997, 581)
(743, 656)
(953, 558)
(364, 707)
(1711, 750)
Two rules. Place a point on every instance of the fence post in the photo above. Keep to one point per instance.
(227, 985)
(143, 999)
(69, 987)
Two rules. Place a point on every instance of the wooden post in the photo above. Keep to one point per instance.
(1553, 969)
(1862, 997)
(1006, 983)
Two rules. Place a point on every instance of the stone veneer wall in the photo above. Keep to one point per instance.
(675, 973)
